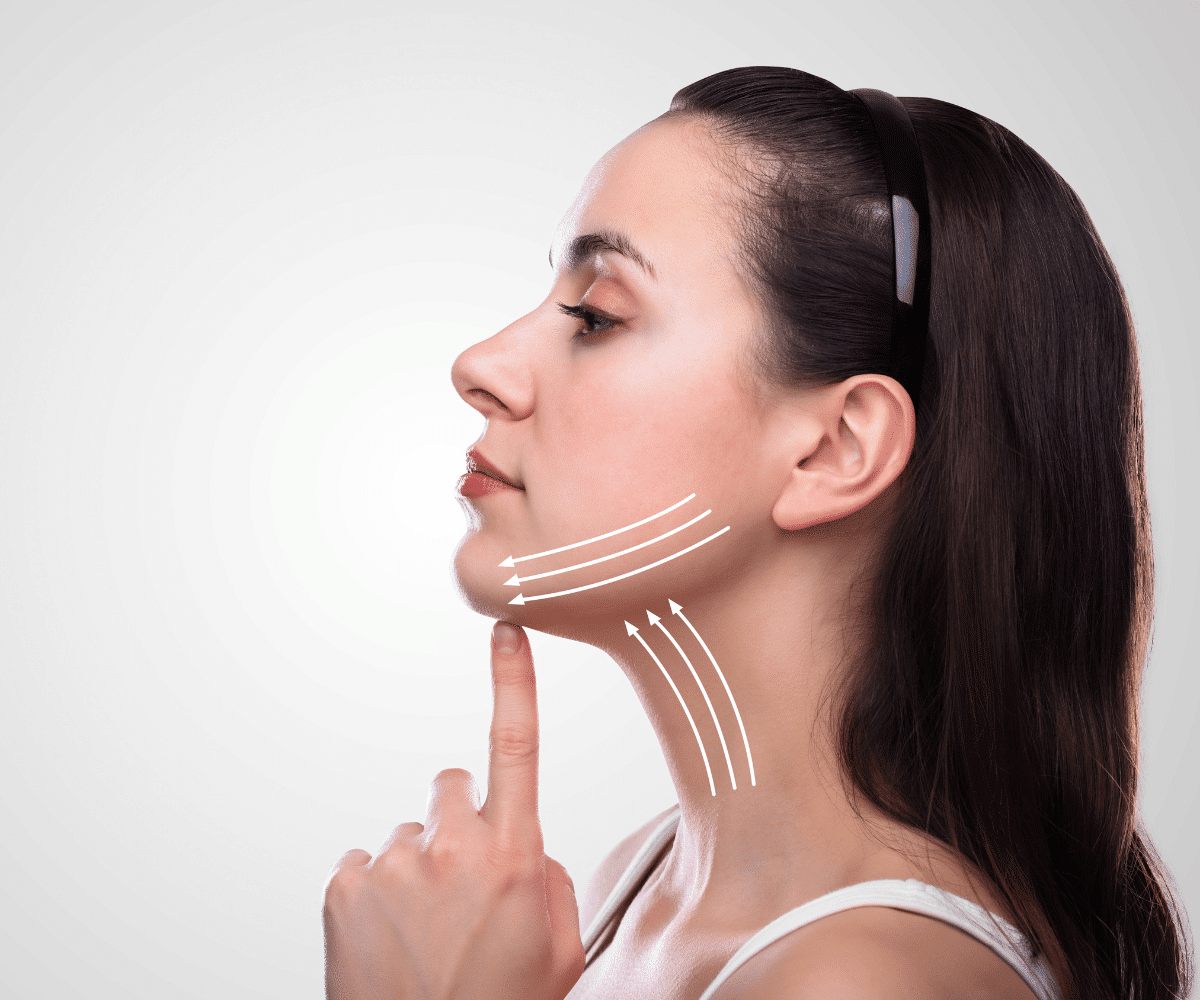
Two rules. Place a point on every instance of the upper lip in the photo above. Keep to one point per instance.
(477, 463)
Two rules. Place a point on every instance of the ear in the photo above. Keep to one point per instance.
(853, 441)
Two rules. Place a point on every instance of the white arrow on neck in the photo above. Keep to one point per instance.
(678, 610)
(521, 599)
(516, 581)
(588, 541)
(633, 631)
(655, 620)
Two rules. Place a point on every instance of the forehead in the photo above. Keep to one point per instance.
(663, 188)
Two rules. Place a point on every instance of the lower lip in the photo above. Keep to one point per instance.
(476, 484)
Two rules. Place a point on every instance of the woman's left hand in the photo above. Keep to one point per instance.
(466, 906)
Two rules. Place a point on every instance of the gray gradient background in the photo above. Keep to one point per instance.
(240, 245)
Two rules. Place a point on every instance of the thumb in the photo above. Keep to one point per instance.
(564, 917)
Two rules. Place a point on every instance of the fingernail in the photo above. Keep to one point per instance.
(506, 638)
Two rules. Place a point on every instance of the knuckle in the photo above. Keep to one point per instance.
(453, 783)
(447, 851)
(401, 838)
(515, 743)
(394, 864)
(341, 886)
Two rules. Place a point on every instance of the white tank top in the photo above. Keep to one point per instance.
(902, 894)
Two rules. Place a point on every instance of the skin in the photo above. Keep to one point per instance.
(603, 431)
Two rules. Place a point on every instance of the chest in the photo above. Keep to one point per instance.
(642, 977)
(669, 966)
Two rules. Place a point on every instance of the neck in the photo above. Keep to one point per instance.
(773, 637)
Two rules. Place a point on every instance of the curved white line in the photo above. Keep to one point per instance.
(707, 700)
(623, 552)
(745, 740)
(521, 599)
(588, 541)
(711, 786)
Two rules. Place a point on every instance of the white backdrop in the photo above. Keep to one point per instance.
(240, 245)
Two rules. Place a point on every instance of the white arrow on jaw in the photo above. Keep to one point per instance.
(516, 581)
(519, 599)
(511, 560)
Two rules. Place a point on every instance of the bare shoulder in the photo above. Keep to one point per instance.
(612, 867)
(876, 953)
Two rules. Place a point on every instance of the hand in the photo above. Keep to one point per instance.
(466, 906)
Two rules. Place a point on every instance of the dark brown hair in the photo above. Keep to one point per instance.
(995, 706)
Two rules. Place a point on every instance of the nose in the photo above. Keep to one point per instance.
(494, 376)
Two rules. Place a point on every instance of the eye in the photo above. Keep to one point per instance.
(590, 319)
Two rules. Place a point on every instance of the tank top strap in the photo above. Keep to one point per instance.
(628, 882)
(916, 897)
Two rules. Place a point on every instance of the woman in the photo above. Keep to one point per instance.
(881, 580)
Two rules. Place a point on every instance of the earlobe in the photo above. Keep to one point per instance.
(856, 442)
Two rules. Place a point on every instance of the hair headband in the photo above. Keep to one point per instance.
(910, 229)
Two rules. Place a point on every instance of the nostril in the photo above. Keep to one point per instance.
(487, 395)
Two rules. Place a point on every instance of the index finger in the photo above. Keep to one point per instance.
(513, 746)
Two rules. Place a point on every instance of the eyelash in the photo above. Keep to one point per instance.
(589, 318)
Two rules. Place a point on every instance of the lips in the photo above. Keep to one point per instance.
(478, 464)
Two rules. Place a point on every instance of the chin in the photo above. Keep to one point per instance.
(476, 574)
(596, 617)
(480, 580)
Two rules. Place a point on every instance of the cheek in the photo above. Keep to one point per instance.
(639, 435)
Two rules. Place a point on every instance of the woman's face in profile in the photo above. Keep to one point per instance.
(608, 420)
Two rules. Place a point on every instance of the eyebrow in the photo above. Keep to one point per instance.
(613, 240)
